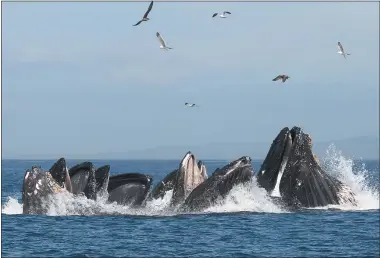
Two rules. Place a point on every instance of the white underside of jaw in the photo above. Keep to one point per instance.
(204, 172)
(276, 190)
(192, 174)
(232, 168)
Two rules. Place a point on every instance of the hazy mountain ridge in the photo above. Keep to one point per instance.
(359, 147)
(365, 147)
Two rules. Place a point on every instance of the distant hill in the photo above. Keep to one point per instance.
(358, 147)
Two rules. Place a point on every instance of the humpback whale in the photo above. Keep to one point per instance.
(39, 184)
(83, 179)
(219, 184)
(181, 180)
(129, 189)
(293, 176)
(188, 177)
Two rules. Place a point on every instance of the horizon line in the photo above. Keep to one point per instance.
(147, 159)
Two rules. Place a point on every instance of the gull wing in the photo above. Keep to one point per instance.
(149, 9)
(340, 47)
(137, 23)
(162, 41)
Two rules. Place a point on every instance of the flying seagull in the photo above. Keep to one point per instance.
(162, 42)
(222, 15)
(284, 77)
(145, 17)
(341, 50)
(191, 105)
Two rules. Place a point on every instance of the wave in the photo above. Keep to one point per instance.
(247, 197)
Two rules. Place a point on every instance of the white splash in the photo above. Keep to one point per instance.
(12, 206)
(246, 197)
(342, 168)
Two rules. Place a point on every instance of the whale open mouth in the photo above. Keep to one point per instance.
(189, 176)
(191, 173)
(291, 172)
(292, 166)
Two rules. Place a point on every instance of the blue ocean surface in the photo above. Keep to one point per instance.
(245, 224)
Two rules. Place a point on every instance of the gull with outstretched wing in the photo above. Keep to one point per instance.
(145, 17)
(284, 77)
(222, 15)
(341, 50)
(162, 42)
(191, 105)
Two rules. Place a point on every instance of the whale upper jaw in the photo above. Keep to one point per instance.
(189, 176)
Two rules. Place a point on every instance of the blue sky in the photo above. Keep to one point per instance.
(79, 79)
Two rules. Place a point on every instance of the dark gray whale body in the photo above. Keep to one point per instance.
(39, 184)
(86, 179)
(102, 176)
(219, 184)
(293, 176)
(165, 185)
(129, 189)
(83, 179)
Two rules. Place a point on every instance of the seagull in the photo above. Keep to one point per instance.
(191, 105)
(222, 15)
(145, 17)
(341, 50)
(284, 77)
(162, 42)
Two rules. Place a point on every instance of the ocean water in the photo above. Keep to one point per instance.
(245, 224)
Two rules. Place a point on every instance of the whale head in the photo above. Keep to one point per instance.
(39, 184)
(237, 171)
(189, 176)
(291, 172)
